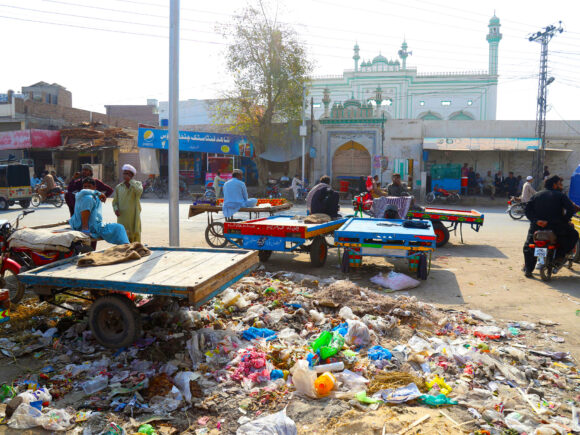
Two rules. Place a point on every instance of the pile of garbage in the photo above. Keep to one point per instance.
(281, 353)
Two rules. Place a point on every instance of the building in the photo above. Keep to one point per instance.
(406, 93)
(191, 112)
(43, 92)
(143, 114)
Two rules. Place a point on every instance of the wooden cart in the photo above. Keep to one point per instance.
(193, 275)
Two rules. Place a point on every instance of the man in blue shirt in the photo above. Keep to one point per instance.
(236, 195)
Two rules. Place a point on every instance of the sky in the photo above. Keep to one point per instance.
(116, 51)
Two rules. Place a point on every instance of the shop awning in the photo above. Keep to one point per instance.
(481, 143)
(277, 153)
(25, 139)
(218, 143)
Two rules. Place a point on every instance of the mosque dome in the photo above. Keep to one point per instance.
(380, 58)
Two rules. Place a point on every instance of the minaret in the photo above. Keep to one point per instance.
(493, 37)
(356, 57)
(326, 102)
(403, 54)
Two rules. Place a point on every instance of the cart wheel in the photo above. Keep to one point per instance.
(441, 232)
(114, 321)
(58, 201)
(318, 251)
(35, 200)
(430, 198)
(422, 269)
(25, 203)
(214, 235)
(264, 255)
(11, 282)
(4, 204)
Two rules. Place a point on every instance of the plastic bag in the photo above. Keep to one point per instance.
(358, 334)
(395, 281)
(317, 316)
(346, 313)
(181, 381)
(275, 316)
(231, 297)
(352, 381)
(56, 420)
(480, 315)
(163, 405)
(25, 417)
(279, 424)
(400, 395)
(303, 378)
(289, 335)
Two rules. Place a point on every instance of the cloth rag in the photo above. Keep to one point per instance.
(114, 255)
(317, 218)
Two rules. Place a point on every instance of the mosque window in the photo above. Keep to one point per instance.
(446, 103)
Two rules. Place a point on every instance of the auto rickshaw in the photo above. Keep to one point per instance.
(14, 186)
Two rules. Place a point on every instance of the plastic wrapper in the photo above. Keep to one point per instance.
(289, 335)
(480, 315)
(25, 417)
(317, 316)
(303, 378)
(279, 424)
(182, 380)
(274, 317)
(346, 313)
(351, 381)
(56, 420)
(358, 334)
(399, 395)
(395, 281)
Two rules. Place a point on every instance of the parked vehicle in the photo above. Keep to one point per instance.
(54, 197)
(14, 186)
(273, 189)
(442, 194)
(545, 247)
(516, 208)
(302, 193)
(14, 260)
(156, 186)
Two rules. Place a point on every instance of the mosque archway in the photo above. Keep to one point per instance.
(351, 160)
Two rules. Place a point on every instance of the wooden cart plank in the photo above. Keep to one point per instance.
(198, 276)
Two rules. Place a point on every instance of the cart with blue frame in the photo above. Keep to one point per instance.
(283, 234)
(387, 238)
(193, 275)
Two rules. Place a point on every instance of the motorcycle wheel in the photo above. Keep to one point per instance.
(516, 212)
(57, 201)
(160, 193)
(453, 198)
(14, 286)
(25, 203)
(430, 198)
(546, 273)
(35, 200)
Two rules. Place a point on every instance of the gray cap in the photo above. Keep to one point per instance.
(237, 172)
(87, 166)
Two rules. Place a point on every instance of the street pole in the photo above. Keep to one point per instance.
(173, 148)
(303, 130)
(382, 144)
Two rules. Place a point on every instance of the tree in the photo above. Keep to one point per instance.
(269, 66)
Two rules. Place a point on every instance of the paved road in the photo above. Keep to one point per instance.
(483, 273)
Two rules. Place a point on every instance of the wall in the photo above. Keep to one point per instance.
(143, 114)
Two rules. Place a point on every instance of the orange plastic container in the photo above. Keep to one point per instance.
(324, 384)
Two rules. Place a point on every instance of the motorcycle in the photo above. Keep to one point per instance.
(54, 197)
(14, 260)
(273, 189)
(302, 193)
(516, 208)
(445, 195)
(545, 247)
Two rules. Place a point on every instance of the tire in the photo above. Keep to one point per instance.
(546, 273)
(25, 203)
(430, 198)
(35, 200)
(11, 282)
(4, 204)
(214, 235)
(423, 267)
(453, 198)
(441, 232)
(318, 252)
(264, 255)
(58, 201)
(516, 212)
(114, 321)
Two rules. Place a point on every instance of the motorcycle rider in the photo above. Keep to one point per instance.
(550, 209)
(528, 190)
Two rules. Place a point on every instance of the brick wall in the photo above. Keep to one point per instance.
(141, 113)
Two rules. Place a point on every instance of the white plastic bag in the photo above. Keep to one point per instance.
(181, 380)
(358, 334)
(318, 317)
(56, 420)
(303, 378)
(25, 417)
(395, 281)
(346, 313)
(279, 424)
(274, 317)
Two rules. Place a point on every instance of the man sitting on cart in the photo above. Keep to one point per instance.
(326, 200)
(88, 216)
(236, 195)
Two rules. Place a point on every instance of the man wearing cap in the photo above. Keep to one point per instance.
(127, 203)
(236, 195)
(76, 185)
(528, 190)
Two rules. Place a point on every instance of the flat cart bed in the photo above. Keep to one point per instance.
(386, 238)
(282, 234)
(194, 275)
(198, 209)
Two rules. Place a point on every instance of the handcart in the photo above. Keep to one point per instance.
(387, 238)
(214, 232)
(283, 234)
(193, 275)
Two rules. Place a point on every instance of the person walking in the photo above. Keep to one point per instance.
(76, 185)
(528, 190)
(216, 184)
(127, 203)
(296, 185)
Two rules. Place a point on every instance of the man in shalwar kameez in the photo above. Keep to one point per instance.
(127, 205)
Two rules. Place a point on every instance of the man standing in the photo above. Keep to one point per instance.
(489, 184)
(546, 173)
(511, 184)
(76, 185)
(127, 205)
(324, 182)
(216, 184)
(550, 209)
(528, 190)
(88, 215)
(236, 195)
(49, 185)
(296, 185)
(499, 182)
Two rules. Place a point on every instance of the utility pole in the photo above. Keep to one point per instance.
(309, 169)
(543, 37)
(303, 130)
(173, 148)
